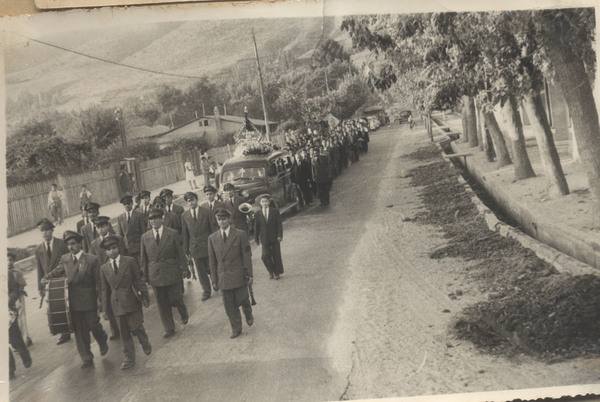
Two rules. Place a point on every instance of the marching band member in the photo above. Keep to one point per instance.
(268, 230)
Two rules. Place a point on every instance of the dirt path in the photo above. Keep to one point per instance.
(397, 311)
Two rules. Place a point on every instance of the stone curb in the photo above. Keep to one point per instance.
(562, 262)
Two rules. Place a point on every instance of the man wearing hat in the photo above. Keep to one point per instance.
(131, 224)
(89, 231)
(145, 206)
(321, 176)
(163, 264)
(47, 257)
(170, 219)
(230, 260)
(167, 195)
(102, 224)
(121, 287)
(83, 276)
(197, 224)
(211, 203)
(232, 201)
(268, 230)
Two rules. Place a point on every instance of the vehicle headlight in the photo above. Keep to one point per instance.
(245, 193)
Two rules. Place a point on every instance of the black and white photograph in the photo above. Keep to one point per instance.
(302, 201)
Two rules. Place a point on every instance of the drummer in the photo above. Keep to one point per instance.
(83, 276)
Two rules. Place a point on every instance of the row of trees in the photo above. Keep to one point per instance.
(496, 62)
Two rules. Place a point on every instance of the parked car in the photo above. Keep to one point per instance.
(403, 116)
(270, 173)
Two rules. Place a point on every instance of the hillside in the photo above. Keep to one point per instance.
(54, 79)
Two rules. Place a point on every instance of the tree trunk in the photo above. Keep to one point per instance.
(573, 146)
(555, 177)
(521, 162)
(481, 137)
(471, 122)
(502, 154)
(574, 83)
(429, 127)
(465, 127)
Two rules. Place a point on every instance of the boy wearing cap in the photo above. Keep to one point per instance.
(102, 224)
(268, 230)
(120, 282)
(131, 224)
(163, 264)
(83, 276)
(230, 260)
(197, 224)
(170, 206)
(47, 257)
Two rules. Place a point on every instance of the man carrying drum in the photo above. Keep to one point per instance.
(83, 276)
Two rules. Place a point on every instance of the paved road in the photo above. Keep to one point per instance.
(286, 355)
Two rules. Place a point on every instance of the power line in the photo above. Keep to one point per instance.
(108, 61)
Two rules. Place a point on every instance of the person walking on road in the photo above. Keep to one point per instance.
(321, 176)
(85, 196)
(15, 337)
(55, 203)
(170, 206)
(90, 231)
(83, 275)
(268, 231)
(163, 264)
(17, 291)
(205, 165)
(190, 177)
(130, 226)
(230, 260)
(47, 257)
(232, 201)
(121, 285)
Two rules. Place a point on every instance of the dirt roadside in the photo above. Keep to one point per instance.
(397, 314)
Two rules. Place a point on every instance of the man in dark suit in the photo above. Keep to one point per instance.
(232, 201)
(89, 231)
(145, 206)
(130, 226)
(170, 206)
(268, 231)
(163, 264)
(197, 224)
(170, 219)
(321, 176)
(102, 224)
(83, 276)
(84, 220)
(304, 176)
(47, 257)
(15, 337)
(120, 282)
(212, 202)
(230, 259)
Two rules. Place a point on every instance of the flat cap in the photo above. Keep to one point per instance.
(228, 187)
(158, 200)
(267, 196)
(101, 220)
(69, 234)
(156, 213)
(45, 224)
(144, 193)
(166, 192)
(222, 212)
(127, 199)
(209, 189)
(109, 240)
(90, 206)
(189, 195)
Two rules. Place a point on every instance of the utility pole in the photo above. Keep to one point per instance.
(262, 91)
(121, 124)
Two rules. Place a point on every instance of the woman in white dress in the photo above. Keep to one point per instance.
(190, 177)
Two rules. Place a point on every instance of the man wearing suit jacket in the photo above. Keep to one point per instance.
(130, 226)
(84, 220)
(102, 224)
(47, 257)
(83, 276)
(145, 206)
(211, 203)
(230, 259)
(321, 176)
(232, 202)
(170, 219)
(120, 282)
(89, 231)
(167, 195)
(163, 264)
(198, 223)
(268, 230)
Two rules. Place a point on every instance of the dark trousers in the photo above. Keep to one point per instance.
(168, 297)
(114, 327)
(306, 191)
(83, 323)
(271, 256)
(15, 339)
(132, 324)
(203, 270)
(232, 300)
(324, 192)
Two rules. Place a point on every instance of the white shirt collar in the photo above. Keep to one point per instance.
(78, 255)
(160, 231)
(118, 260)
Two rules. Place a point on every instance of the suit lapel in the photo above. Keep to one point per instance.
(229, 241)
(110, 275)
(122, 267)
(162, 238)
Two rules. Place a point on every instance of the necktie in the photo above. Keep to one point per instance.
(169, 209)
(95, 232)
(194, 213)
(128, 216)
(115, 267)
(74, 258)
(48, 249)
(210, 205)
(157, 237)
(266, 213)
(224, 237)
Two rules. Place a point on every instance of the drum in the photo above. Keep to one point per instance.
(59, 317)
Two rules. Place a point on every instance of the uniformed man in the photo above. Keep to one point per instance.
(268, 231)
(321, 176)
(170, 219)
(89, 231)
(121, 285)
(170, 206)
(230, 259)
(232, 201)
(130, 226)
(163, 264)
(145, 206)
(47, 257)
(83, 276)
(212, 202)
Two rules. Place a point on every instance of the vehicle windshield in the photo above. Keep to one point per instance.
(243, 174)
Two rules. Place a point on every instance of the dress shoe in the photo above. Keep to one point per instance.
(271, 276)
(235, 334)
(147, 348)
(127, 365)
(103, 349)
(114, 336)
(250, 319)
(169, 334)
(29, 342)
(205, 297)
(63, 339)
(277, 276)
(184, 320)
(87, 364)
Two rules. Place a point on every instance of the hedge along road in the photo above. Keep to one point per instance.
(359, 313)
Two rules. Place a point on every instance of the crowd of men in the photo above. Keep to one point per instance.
(159, 243)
